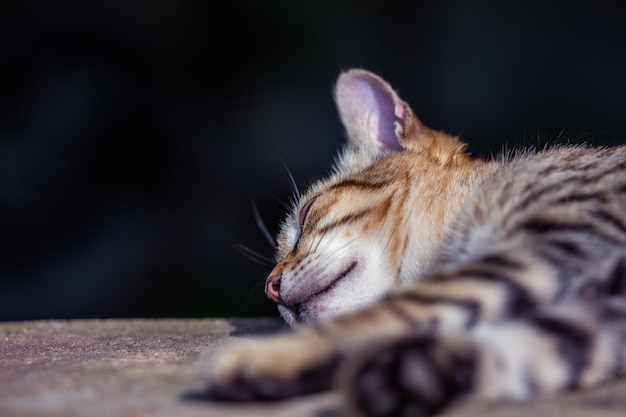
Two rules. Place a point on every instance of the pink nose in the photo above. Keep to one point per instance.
(272, 289)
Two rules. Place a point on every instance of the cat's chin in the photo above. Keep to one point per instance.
(298, 315)
(303, 314)
(289, 315)
(312, 311)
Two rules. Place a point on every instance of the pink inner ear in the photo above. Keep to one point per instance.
(367, 106)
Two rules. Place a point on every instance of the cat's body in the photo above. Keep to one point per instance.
(428, 275)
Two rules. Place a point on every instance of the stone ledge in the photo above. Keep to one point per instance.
(136, 368)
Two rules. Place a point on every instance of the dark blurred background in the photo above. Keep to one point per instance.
(134, 134)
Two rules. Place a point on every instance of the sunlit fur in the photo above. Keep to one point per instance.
(426, 275)
(387, 211)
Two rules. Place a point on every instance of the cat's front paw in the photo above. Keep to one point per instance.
(413, 376)
(271, 369)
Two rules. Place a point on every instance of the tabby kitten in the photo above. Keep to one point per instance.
(426, 275)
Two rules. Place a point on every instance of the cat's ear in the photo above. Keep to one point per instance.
(366, 107)
(375, 117)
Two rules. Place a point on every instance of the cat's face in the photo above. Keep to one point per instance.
(337, 251)
(377, 220)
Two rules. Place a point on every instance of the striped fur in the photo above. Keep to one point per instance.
(426, 275)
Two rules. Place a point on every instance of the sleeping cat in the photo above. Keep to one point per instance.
(423, 275)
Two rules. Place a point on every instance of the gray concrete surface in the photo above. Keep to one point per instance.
(134, 368)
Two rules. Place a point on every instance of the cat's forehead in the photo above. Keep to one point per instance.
(351, 164)
(354, 171)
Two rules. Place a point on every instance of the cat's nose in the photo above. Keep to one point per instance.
(272, 288)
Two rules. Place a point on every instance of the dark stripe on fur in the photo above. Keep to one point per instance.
(568, 247)
(471, 307)
(243, 389)
(573, 344)
(616, 285)
(582, 180)
(546, 227)
(582, 197)
(358, 184)
(532, 194)
(540, 226)
(608, 217)
(518, 297)
(502, 261)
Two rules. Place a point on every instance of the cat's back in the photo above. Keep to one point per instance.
(563, 160)
(561, 174)
(531, 194)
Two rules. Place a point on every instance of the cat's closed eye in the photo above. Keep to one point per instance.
(304, 212)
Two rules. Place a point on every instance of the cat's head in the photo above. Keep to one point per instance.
(377, 221)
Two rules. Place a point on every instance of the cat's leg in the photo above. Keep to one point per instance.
(297, 362)
(495, 287)
(571, 345)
